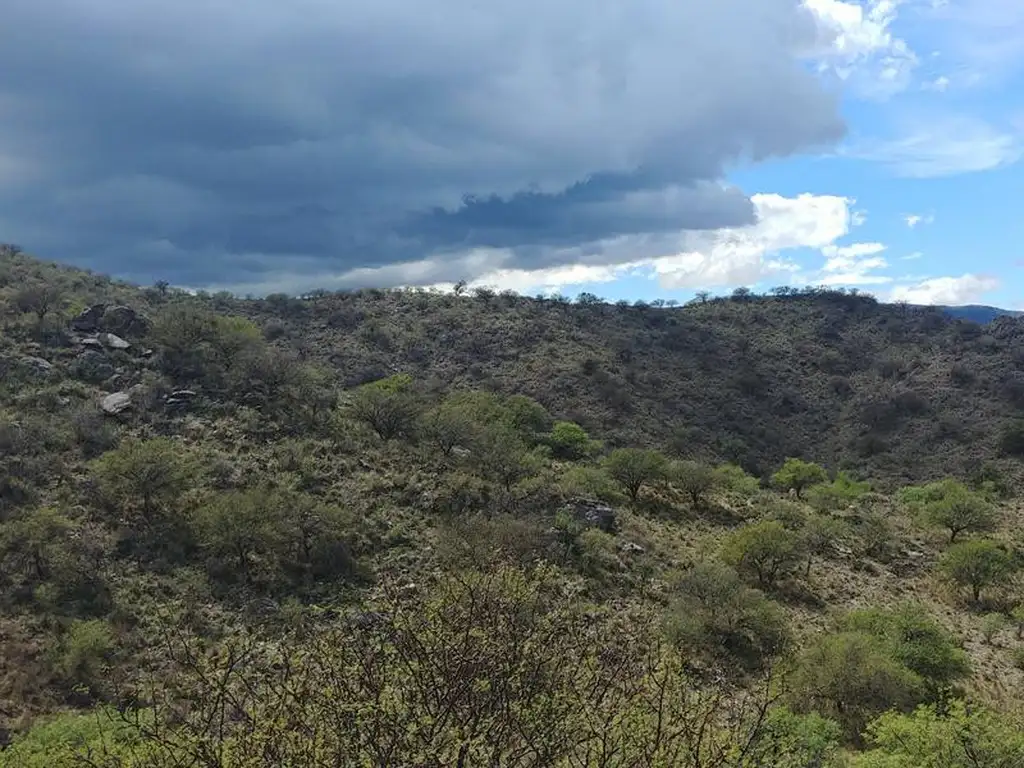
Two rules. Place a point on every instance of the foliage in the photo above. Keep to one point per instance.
(955, 735)
(736, 479)
(977, 564)
(876, 660)
(144, 479)
(634, 468)
(798, 475)
(837, 495)
(765, 551)
(715, 613)
(692, 478)
(959, 510)
(568, 440)
(388, 406)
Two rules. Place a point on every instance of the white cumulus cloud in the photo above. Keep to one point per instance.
(965, 289)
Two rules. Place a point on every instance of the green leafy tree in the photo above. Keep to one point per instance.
(694, 479)
(245, 530)
(851, 677)
(766, 551)
(735, 479)
(955, 735)
(819, 536)
(914, 639)
(389, 406)
(633, 468)
(447, 426)
(501, 456)
(960, 510)
(977, 564)
(568, 440)
(145, 478)
(798, 475)
(716, 613)
(837, 495)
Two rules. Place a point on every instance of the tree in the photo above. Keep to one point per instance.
(849, 676)
(716, 613)
(633, 468)
(915, 640)
(960, 510)
(145, 478)
(38, 298)
(765, 550)
(694, 479)
(447, 427)
(955, 735)
(977, 564)
(568, 440)
(797, 475)
(502, 457)
(246, 528)
(388, 406)
(819, 535)
(837, 495)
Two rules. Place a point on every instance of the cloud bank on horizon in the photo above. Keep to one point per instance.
(298, 144)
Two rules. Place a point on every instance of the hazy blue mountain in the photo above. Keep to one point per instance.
(979, 313)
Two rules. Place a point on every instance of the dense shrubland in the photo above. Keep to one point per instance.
(267, 557)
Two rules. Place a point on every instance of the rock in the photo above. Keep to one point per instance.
(110, 341)
(116, 403)
(91, 342)
(88, 320)
(37, 364)
(123, 321)
(593, 513)
(179, 399)
(631, 547)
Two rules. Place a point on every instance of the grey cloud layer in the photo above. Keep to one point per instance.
(208, 141)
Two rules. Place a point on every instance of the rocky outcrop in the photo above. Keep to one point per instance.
(88, 320)
(595, 514)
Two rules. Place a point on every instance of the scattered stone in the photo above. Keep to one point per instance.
(116, 403)
(179, 398)
(110, 341)
(88, 320)
(593, 513)
(631, 547)
(91, 342)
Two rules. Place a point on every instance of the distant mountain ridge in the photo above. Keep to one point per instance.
(979, 313)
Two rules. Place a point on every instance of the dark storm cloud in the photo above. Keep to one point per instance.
(207, 141)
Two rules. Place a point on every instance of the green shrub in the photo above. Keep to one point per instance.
(798, 475)
(765, 551)
(977, 564)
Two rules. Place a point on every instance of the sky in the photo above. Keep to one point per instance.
(639, 150)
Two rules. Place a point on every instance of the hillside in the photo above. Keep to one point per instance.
(403, 528)
(893, 393)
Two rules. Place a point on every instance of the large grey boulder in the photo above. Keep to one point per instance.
(116, 403)
(111, 341)
(124, 321)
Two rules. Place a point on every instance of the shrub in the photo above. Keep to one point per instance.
(633, 468)
(977, 564)
(955, 735)
(764, 550)
(715, 613)
(388, 406)
(798, 475)
(693, 478)
(991, 625)
(85, 651)
(568, 440)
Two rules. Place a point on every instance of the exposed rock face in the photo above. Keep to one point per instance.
(88, 320)
(116, 403)
(593, 513)
(123, 321)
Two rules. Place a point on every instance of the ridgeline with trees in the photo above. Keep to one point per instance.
(405, 528)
